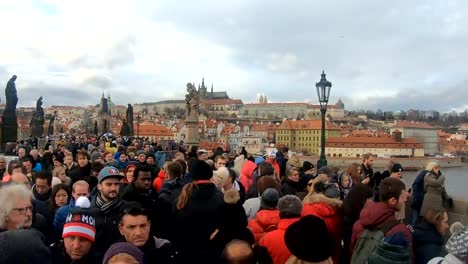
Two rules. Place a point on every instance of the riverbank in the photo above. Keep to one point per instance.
(413, 163)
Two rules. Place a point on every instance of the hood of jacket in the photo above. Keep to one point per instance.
(285, 223)
(375, 214)
(266, 218)
(321, 198)
(248, 169)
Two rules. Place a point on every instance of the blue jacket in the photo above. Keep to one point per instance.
(61, 216)
(427, 243)
(418, 190)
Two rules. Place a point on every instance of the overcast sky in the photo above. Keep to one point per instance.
(379, 54)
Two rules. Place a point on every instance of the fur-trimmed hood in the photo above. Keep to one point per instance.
(320, 198)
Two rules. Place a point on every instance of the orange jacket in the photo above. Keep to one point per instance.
(329, 210)
(275, 166)
(246, 174)
(274, 242)
(159, 181)
(264, 222)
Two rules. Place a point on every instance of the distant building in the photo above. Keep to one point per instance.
(304, 135)
(222, 107)
(423, 132)
(104, 116)
(204, 94)
(266, 110)
(382, 146)
(153, 131)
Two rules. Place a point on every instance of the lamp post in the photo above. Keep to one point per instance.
(323, 93)
(138, 119)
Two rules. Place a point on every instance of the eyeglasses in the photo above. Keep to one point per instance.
(310, 184)
(23, 210)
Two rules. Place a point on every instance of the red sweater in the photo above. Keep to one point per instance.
(274, 242)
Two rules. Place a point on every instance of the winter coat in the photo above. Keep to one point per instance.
(427, 243)
(274, 241)
(435, 192)
(80, 173)
(195, 223)
(107, 227)
(329, 210)
(417, 190)
(61, 216)
(281, 161)
(158, 250)
(290, 187)
(60, 256)
(265, 221)
(368, 172)
(246, 174)
(23, 246)
(376, 214)
(159, 181)
(41, 204)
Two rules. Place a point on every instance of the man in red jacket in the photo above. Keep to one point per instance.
(290, 207)
(392, 195)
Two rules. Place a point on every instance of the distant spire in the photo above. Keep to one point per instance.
(211, 88)
(203, 82)
(102, 93)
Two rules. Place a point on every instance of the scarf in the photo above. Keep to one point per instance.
(107, 207)
(41, 197)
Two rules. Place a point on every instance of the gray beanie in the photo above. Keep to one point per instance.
(290, 206)
(269, 199)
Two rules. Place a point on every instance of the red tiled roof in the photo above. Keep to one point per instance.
(307, 124)
(152, 130)
(371, 142)
(410, 124)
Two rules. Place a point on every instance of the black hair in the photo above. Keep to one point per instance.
(134, 209)
(43, 175)
(137, 170)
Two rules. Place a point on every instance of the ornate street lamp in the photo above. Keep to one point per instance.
(138, 119)
(323, 93)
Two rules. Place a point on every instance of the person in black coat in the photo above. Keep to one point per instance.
(140, 191)
(233, 223)
(357, 198)
(290, 183)
(428, 241)
(196, 216)
(108, 206)
(84, 168)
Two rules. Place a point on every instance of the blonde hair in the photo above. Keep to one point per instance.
(56, 172)
(122, 258)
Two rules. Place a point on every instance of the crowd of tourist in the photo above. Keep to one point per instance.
(132, 203)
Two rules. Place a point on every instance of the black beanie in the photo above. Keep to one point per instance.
(201, 170)
(309, 239)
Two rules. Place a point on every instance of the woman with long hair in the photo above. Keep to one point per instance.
(197, 216)
(357, 198)
(428, 241)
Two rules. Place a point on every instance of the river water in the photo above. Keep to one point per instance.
(456, 181)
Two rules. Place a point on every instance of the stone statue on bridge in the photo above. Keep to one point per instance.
(10, 124)
(192, 102)
(37, 121)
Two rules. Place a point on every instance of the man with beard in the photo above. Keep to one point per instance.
(16, 209)
(109, 205)
(367, 171)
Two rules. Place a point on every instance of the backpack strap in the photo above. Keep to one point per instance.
(388, 225)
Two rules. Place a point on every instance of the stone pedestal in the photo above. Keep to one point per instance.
(191, 138)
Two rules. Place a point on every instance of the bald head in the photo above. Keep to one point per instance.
(239, 252)
(20, 178)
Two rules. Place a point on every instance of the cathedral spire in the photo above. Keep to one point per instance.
(211, 89)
